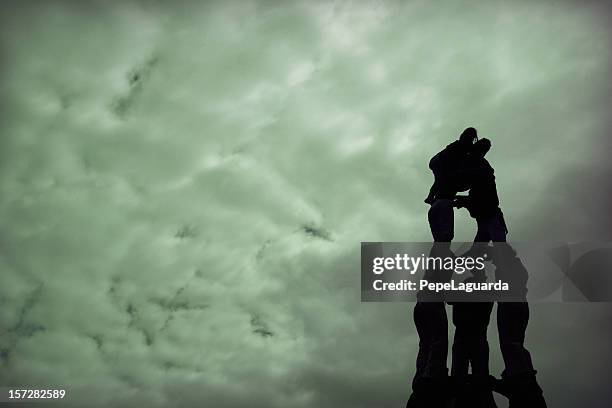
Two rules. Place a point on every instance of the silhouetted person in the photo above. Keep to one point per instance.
(471, 319)
(518, 378)
(445, 164)
(430, 384)
(482, 201)
(471, 348)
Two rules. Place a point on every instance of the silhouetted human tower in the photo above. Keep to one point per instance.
(445, 163)
(518, 378)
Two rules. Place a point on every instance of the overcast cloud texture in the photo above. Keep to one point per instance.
(184, 187)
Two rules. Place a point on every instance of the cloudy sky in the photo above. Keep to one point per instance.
(184, 188)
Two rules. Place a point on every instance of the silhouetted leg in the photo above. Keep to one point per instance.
(518, 382)
(431, 314)
(482, 232)
(518, 378)
(433, 191)
(425, 339)
(479, 346)
(496, 228)
(512, 319)
(432, 326)
(481, 240)
(439, 179)
(460, 362)
(513, 313)
(472, 320)
(470, 344)
(429, 384)
(441, 220)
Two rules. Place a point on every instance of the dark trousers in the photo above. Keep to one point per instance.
(512, 316)
(512, 319)
(471, 319)
(432, 326)
(470, 345)
(430, 311)
(491, 228)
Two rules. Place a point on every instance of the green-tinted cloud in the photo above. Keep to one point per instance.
(183, 188)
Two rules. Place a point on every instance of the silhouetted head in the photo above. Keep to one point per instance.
(468, 136)
(481, 147)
